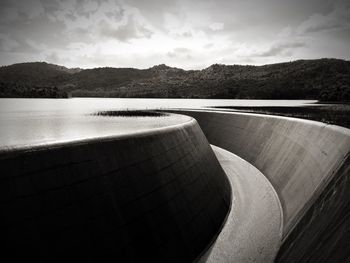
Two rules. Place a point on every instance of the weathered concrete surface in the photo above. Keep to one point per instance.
(253, 229)
(299, 157)
(323, 234)
(153, 196)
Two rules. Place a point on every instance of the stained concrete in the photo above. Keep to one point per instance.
(152, 196)
(253, 229)
(323, 234)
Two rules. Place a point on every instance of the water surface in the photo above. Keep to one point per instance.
(26, 122)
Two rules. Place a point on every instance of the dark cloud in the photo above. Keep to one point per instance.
(281, 49)
(31, 32)
(337, 19)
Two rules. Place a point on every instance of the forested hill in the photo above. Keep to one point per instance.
(324, 79)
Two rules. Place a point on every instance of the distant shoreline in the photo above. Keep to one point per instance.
(320, 79)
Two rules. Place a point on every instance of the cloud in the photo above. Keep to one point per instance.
(180, 52)
(8, 14)
(208, 46)
(7, 44)
(337, 19)
(216, 26)
(281, 49)
(189, 34)
(131, 29)
(53, 58)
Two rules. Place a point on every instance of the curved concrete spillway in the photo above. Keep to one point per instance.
(253, 229)
(297, 156)
(161, 195)
(300, 158)
(156, 196)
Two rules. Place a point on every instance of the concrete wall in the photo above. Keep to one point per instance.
(299, 157)
(157, 196)
(323, 233)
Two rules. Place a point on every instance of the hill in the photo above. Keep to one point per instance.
(323, 79)
(36, 73)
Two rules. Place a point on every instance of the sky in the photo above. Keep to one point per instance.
(190, 34)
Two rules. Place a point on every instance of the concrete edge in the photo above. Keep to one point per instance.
(216, 249)
(19, 150)
(337, 128)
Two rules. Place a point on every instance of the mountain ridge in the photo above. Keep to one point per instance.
(324, 79)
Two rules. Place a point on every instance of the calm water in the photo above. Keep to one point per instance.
(26, 122)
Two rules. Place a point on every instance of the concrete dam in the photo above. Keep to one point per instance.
(268, 189)
(307, 163)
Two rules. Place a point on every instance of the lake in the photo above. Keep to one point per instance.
(27, 122)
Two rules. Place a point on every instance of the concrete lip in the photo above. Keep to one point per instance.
(253, 229)
(61, 131)
(35, 130)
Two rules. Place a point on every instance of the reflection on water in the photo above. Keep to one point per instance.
(26, 122)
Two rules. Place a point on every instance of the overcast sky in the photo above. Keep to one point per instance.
(190, 34)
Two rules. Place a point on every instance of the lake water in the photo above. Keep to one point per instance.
(27, 122)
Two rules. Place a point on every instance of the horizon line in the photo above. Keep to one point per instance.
(174, 67)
